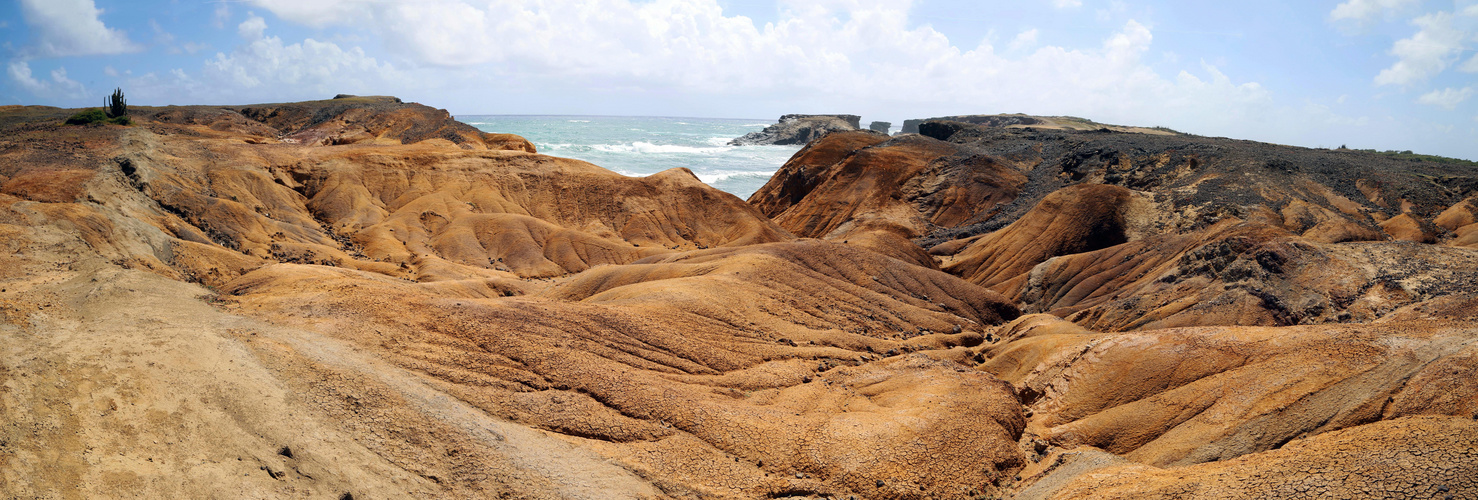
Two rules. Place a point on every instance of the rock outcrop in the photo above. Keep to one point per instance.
(916, 126)
(799, 130)
(880, 127)
(342, 120)
(1192, 183)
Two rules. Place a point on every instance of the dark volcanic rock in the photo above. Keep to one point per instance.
(912, 126)
(941, 129)
(798, 130)
(1199, 230)
(882, 127)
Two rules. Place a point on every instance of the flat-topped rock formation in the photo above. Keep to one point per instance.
(361, 297)
(342, 120)
(915, 126)
(799, 130)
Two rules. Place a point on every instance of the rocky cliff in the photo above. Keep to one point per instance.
(799, 130)
(361, 298)
(916, 126)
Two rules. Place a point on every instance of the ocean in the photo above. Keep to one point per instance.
(644, 145)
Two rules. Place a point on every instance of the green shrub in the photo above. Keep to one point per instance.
(97, 116)
(88, 116)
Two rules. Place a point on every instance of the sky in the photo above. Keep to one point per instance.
(1368, 74)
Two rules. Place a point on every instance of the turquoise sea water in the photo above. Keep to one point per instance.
(640, 145)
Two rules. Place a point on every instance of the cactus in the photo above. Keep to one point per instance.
(117, 106)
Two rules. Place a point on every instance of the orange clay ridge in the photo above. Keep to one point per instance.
(362, 298)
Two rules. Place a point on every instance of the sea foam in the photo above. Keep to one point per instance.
(641, 146)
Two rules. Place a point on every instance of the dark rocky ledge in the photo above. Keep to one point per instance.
(798, 130)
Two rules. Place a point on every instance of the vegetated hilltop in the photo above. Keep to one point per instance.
(360, 297)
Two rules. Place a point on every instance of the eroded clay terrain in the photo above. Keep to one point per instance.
(363, 298)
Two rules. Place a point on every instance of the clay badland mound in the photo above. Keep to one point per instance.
(1120, 231)
(360, 296)
(409, 316)
(1113, 232)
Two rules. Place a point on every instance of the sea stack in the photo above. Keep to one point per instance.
(880, 127)
(798, 130)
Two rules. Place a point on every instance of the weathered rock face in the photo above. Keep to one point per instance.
(1183, 245)
(880, 127)
(915, 126)
(1071, 220)
(910, 126)
(1178, 385)
(1412, 457)
(1243, 412)
(338, 121)
(799, 130)
(987, 178)
(406, 317)
(906, 185)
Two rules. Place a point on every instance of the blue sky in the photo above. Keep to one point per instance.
(1384, 74)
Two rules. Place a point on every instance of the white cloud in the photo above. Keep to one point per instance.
(843, 53)
(1448, 98)
(1362, 10)
(221, 16)
(66, 85)
(153, 89)
(319, 13)
(264, 68)
(72, 28)
(252, 28)
(1067, 4)
(266, 65)
(161, 37)
(1115, 9)
(1024, 40)
(60, 84)
(20, 72)
(1431, 50)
